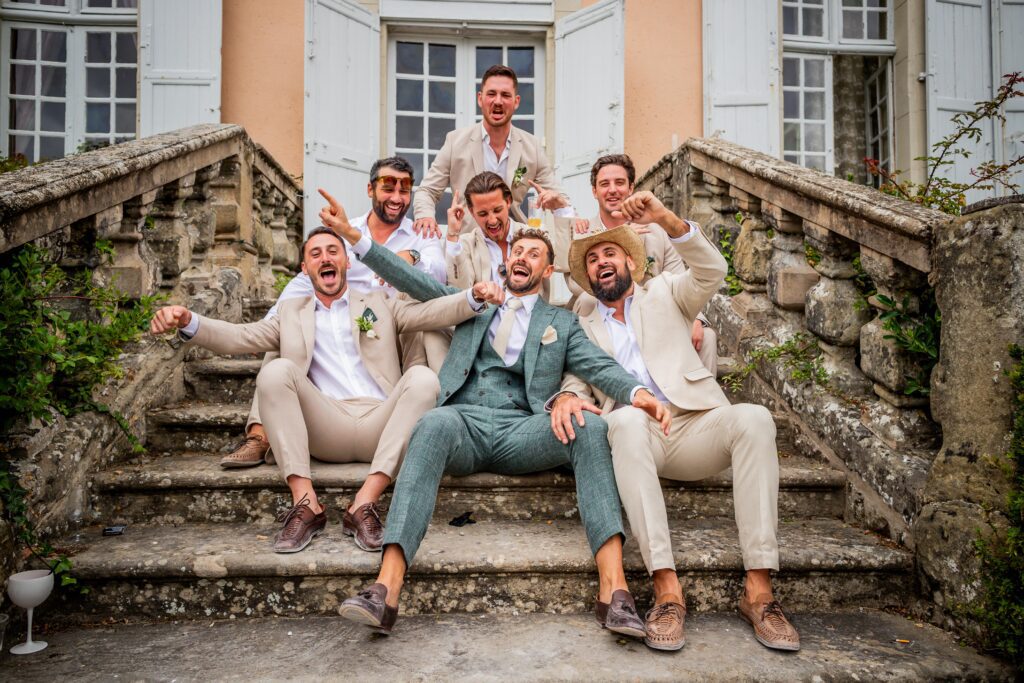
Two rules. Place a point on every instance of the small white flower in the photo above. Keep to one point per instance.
(370, 334)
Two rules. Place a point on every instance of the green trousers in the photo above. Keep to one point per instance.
(463, 439)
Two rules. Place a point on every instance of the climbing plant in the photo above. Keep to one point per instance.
(798, 355)
(725, 243)
(917, 334)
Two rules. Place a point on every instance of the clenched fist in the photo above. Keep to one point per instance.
(489, 292)
(170, 318)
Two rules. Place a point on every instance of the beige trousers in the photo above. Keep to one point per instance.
(301, 421)
(699, 444)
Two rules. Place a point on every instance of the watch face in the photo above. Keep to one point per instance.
(415, 255)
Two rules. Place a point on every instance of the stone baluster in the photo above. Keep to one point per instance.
(789, 274)
(132, 270)
(286, 248)
(752, 249)
(700, 208)
(170, 237)
(231, 193)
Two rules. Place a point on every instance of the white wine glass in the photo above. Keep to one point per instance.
(28, 590)
(535, 215)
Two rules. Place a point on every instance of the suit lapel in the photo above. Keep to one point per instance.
(356, 304)
(476, 151)
(541, 317)
(515, 153)
(307, 321)
(600, 331)
(635, 315)
(482, 255)
(480, 324)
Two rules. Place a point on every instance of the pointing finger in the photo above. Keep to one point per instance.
(330, 200)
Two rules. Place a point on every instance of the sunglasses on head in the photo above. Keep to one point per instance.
(389, 182)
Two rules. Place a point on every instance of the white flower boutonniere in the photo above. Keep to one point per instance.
(649, 266)
(517, 177)
(365, 323)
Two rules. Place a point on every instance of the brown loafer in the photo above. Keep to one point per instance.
(665, 626)
(771, 628)
(250, 452)
(619, 615)
(369, 608)
(365, 527)
(301, 525)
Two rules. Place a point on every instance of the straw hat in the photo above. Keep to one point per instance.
(624, 236)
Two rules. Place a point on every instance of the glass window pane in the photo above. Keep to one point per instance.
(853, 3)
(814, 137)
(23, 79)
(97, 48)
(814, 106)
(791, 71)
(877, 26)
(53, 81)
(99, 3)
(877, 3)
(23, 114)
(51, 116)
(127, 53)
(128, 4)
(814, 22)
(441, 210)
(51, 148)
(815, 162)
(442, 98)
(853, 25)
(442, 60)
(525, 124)
(24, 145)
(791, 105)
(486, 57)
(125, 118)
(126, 83)
(885, 148)
(792, 158)
(526, 105)
(409, 58)
(55, 46)
(409, 131)
(23, 43)
(97, 117)
(520, 59)
(789, 21)
(814, 73)
(438, 130)
(416, 161)
(97, 82)
(791, 137)
(54, 3)
(409, 95)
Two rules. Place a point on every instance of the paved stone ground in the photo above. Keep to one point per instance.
(852, 645)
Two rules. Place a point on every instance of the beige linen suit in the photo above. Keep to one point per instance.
(462, 157)
(300, 420)
(707, 434)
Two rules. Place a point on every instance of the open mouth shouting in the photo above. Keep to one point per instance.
(606, 274)
(330, 277)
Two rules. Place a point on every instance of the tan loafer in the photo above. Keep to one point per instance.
(301, 525)
(365, 527)
(771, 627)
(250, 452)
(665, 626)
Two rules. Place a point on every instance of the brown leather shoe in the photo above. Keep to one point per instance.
(771, 628)
(665, 626)
(249, 453)
(365, 527)
(619, 615)
(301, 525)
(369, 608)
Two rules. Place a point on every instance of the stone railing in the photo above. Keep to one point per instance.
(914, 462)
(203, 215)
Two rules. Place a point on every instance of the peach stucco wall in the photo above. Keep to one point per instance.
(262, 67)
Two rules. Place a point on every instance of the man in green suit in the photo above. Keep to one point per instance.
(503, 368)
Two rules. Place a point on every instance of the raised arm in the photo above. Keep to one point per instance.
(216, 335)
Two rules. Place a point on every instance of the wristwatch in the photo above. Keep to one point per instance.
(415, 256)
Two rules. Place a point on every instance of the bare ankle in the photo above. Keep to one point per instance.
(667, 587)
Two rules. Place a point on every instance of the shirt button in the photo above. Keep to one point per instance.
(465, 372)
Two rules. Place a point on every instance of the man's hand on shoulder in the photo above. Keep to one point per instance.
(658, 411)
(567, 405)
(644, 207)
(170, 318)
(334, 217)
(426, 227)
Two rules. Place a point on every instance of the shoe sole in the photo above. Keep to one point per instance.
(767, 643)
(627, 631)
(665, 648)
(303, 546)
(360, 544)
(359, 615)
(240, 464)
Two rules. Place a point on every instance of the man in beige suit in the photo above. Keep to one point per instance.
(337, 391)
(647, 329)
(493, 145)
(612, 179)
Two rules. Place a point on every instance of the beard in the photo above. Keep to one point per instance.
(526, 286)
(614, 290)
(382, 214)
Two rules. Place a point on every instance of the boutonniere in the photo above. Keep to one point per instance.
(649, 266)
(365, 323)
(518, 176)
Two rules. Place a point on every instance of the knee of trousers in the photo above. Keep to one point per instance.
(710, 340)
(754, 419)
(593, 431)
(277, 373)
(422, 381)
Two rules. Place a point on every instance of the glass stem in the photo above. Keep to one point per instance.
(29, 638)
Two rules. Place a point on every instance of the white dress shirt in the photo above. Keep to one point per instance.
(362, 278)
(520, 326)
(627, 350)
(499, 165)
(493, 249)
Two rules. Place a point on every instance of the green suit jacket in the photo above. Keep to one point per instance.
(555, 343)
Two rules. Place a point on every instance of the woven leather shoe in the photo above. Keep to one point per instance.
(771, 628)
(369, 608)
(301, 525)
(365, 527)
(665, 626)
(619, 615)
(249, 453)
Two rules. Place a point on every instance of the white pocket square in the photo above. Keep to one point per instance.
(550, 335)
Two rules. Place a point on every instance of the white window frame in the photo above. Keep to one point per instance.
(834, 43)
(829, 121)
(872, 113)
(799, 5)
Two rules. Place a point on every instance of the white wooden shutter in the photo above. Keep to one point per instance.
(741, 72)
(958, 43)
(590, 82)
(1008, 28)
(342, 120)
(179, 64)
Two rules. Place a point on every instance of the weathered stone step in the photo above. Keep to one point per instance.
(220, 570)
(231, 380)
(838, 645)
(193, 488)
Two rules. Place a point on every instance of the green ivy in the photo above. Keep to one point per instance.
(1001, 608)
(917, 334)
(281, 281)
(60, 338)
(13, 163)
(725, 244)
(799, 355)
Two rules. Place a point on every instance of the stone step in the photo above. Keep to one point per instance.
(193, 488)
(202, 571)
(214, 427)
(837, 645)
(231, 380)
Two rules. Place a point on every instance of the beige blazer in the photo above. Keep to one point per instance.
(662, 315)
(462, 157)
(291, 331)
(473, 263)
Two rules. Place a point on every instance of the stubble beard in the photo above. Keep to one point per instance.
(381, 213)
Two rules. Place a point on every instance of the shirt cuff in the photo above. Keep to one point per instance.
(453, 248)
(362, 247)
(694, 229)
(190, 330)
(632, 394)
(550, 403)
(565, 212)
(473, 303)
